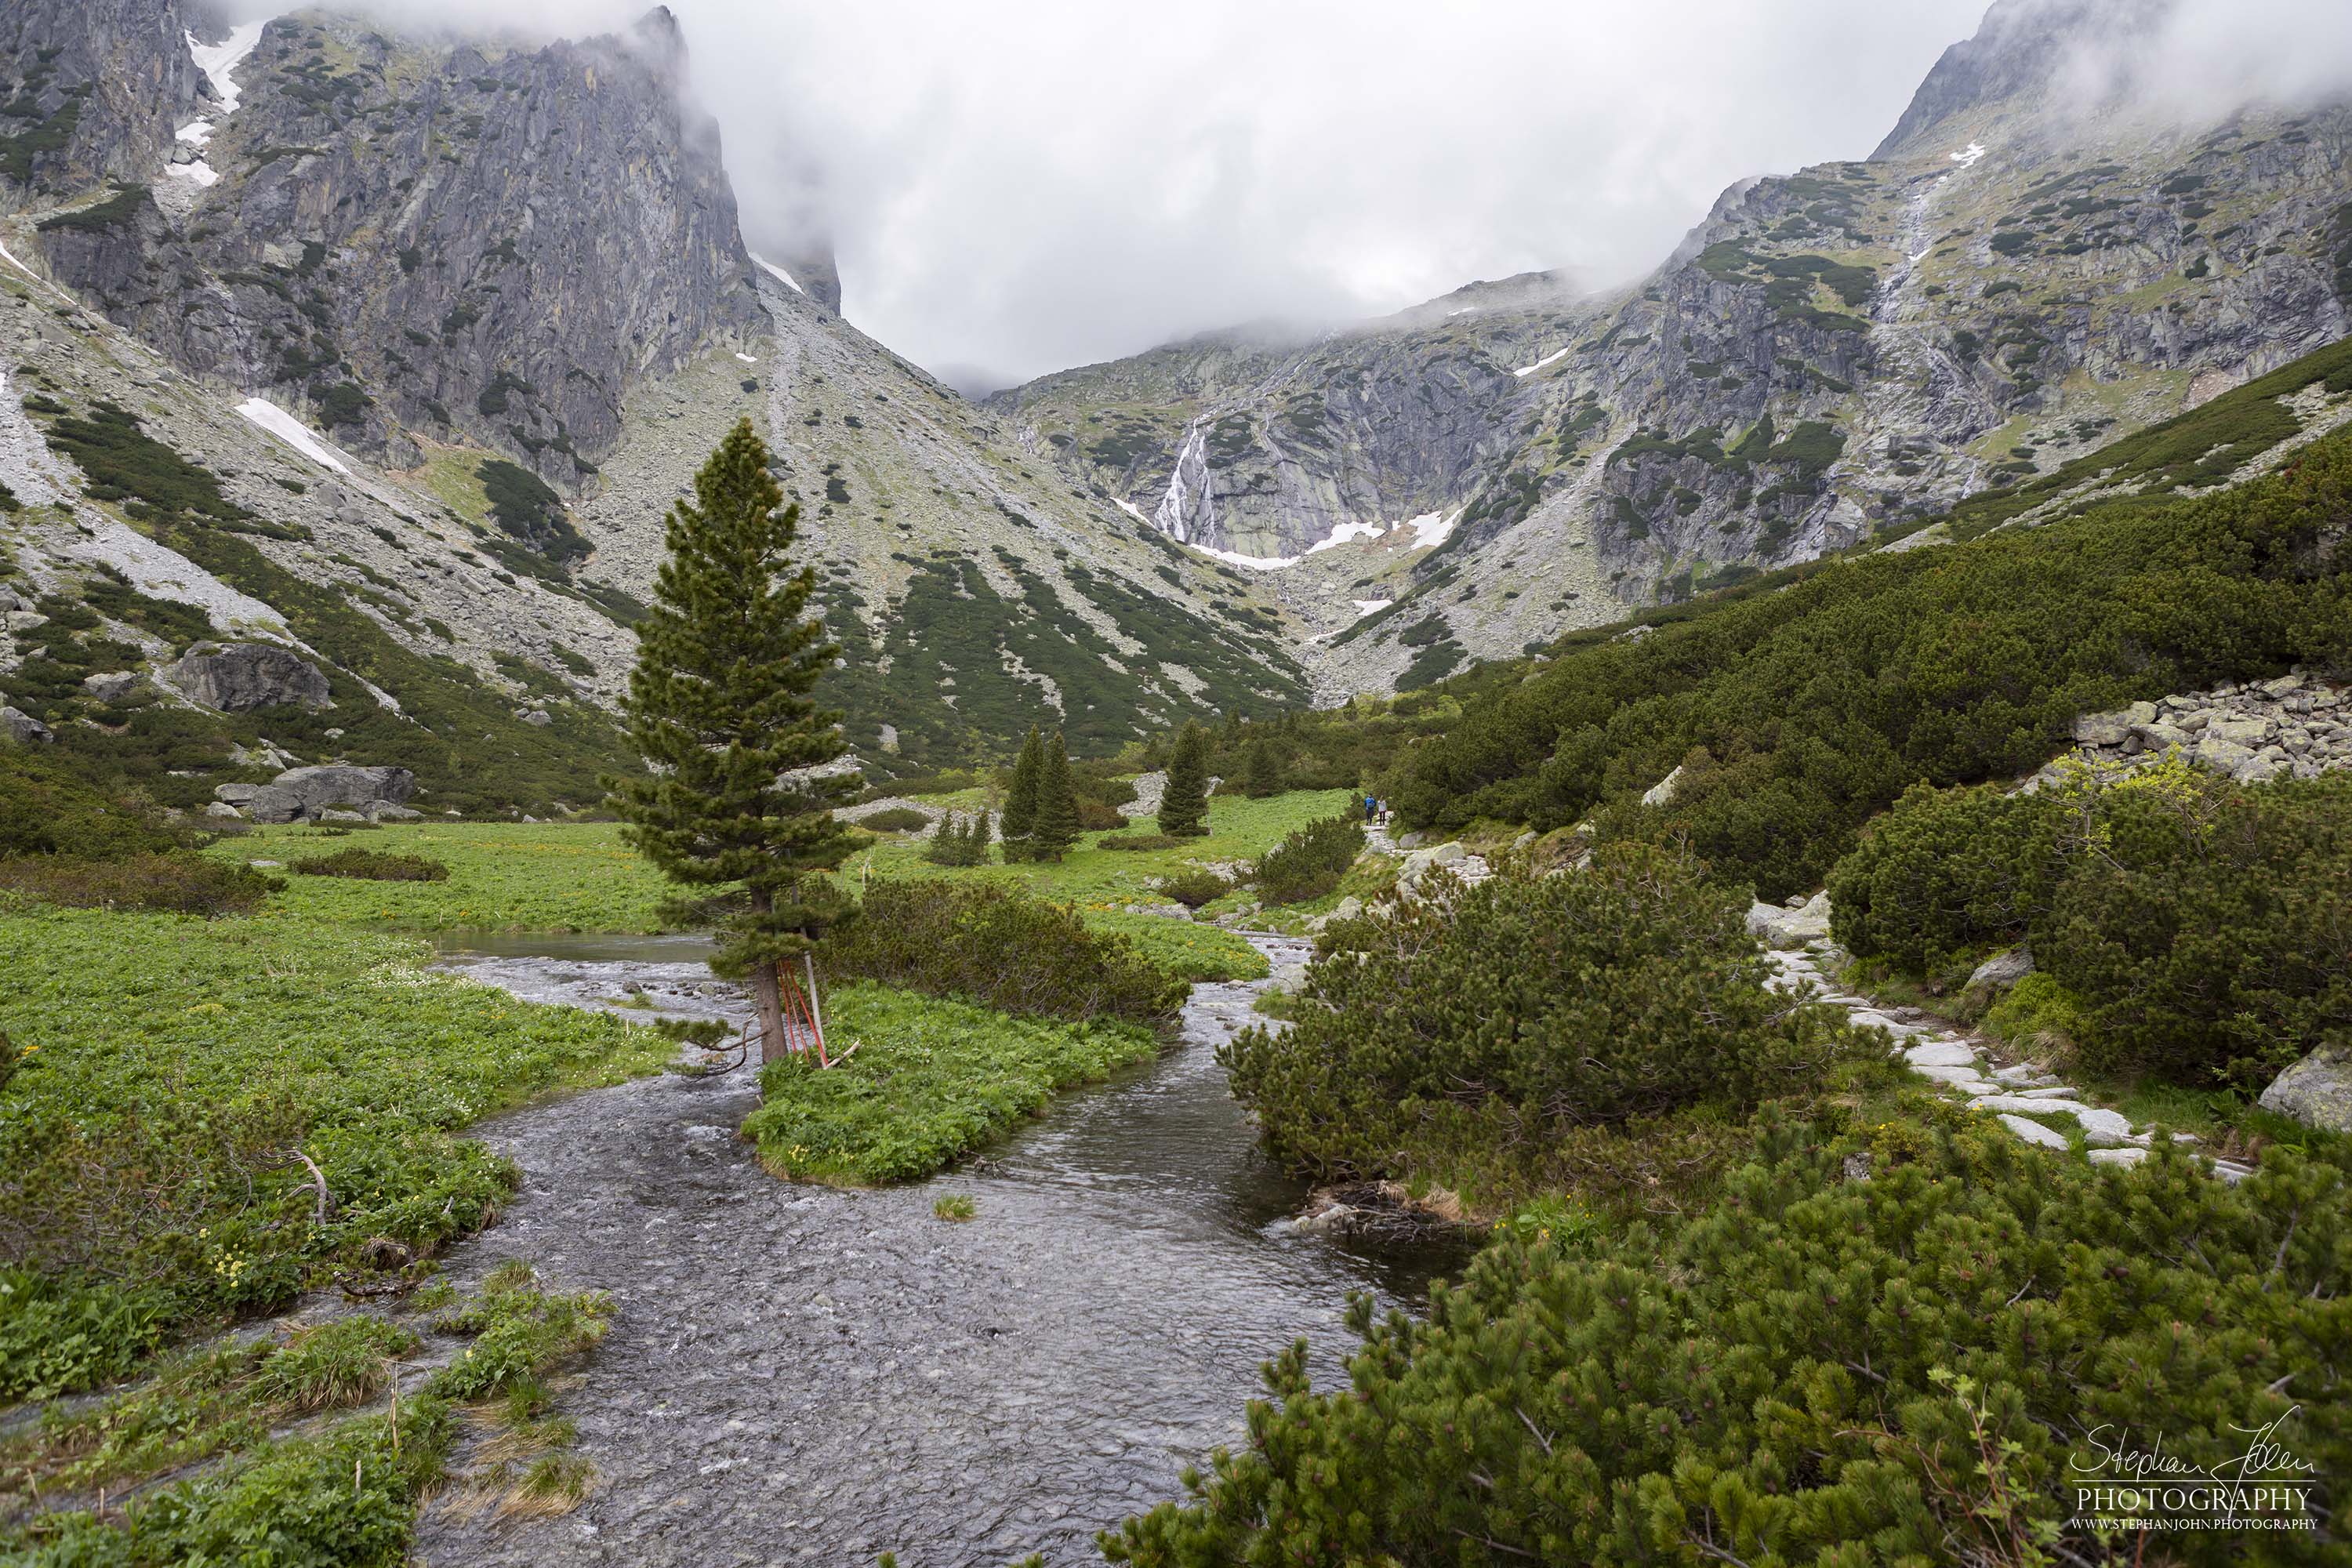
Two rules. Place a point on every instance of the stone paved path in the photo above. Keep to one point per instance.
(2024, 1097)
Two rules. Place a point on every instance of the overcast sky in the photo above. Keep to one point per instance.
(1018, 187)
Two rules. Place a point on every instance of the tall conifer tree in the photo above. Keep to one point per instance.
(1020, 817)
(720, 706)
(1057, 802)
(1184, 803)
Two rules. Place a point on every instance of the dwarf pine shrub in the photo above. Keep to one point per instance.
(1906, 1368)
(1000, 948)
(2197, 928)
(1310, 860)
(1558, 1002)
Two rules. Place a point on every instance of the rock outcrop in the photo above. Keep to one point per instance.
(241, 676)
(2296, 726)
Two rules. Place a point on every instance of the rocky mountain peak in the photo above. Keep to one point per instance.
(2033, 53)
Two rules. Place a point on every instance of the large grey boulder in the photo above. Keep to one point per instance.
(262, 803)
(24, 729)
(111, 686)
(241, 676)
(343, 784)
(2316, 1091)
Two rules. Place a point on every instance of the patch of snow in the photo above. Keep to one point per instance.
(1531, 369)
(1256, 562)
(1430, 528)
(1346, 531)
(291, 431)
(1369, 606)
(778, 274)
(1967, 156)
(1464, 311)
(1131, 510)
(747, 359)
(161, 573)
(218, 60)
(202, 174)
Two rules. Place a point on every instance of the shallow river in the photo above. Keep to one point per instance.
(802, 1375)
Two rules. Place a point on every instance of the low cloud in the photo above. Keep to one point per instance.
(1011, 189)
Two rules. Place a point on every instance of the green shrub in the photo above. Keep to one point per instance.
(1820, 1370)
(1138, 841)
(520, 1331)
(1562, 1001)
(1945, 876)
(176, 883)
(373, 866)
(988, 945)
(1309, 861)
(45, 810)
(2196, 929)
(55, 1337)
(1194, 887)
(896, 819)
(960, 840)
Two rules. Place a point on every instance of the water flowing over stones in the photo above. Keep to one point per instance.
(805, 1374)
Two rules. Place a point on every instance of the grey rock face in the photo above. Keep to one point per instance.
(2316, 1091)
(107, 80)
(241, 677)
(1808, 922)
(500, 247)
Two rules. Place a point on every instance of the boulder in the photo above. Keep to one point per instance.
(333, 813)
(111, 686)
(241, 676)
(223, 808)
(1662, 792)
(1808, 922)
(2003, 970)
(24, 729)
(384, 811)
(2316, 1091)
(342, 784)
(2103, 729)
(263, 802)
(2247, 731)
(538, 716)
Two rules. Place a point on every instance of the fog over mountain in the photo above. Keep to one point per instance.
(1013, 190)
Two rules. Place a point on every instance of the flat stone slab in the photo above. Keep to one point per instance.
(1961, 1077)
(2034, 1132)
(2117, 1156)
(1941, 1054)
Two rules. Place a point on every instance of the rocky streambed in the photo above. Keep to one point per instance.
(804, 1375)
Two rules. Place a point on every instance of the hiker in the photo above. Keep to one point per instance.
(1372, 810)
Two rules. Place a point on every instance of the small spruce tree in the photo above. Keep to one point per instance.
(720, 706)
(1262, 770)
(1057, 802)
(980, 836)
(1020, 817)
(1185, 802)
(945, 847)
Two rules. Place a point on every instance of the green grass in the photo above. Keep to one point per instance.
(569, 877)
(176, 1070)
(1103, 882)
(930, 1081)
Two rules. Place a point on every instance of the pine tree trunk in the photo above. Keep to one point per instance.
(767, 995)
(768, 998)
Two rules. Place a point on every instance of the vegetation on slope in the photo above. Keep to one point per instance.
(1798, 714)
